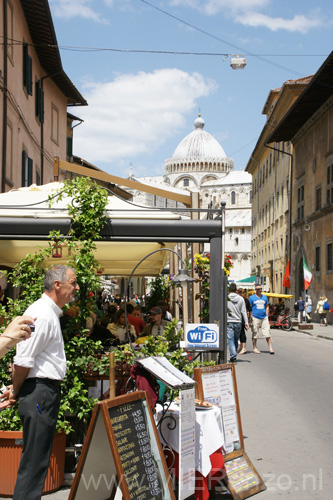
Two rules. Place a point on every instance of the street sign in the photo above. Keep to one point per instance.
(202, 336)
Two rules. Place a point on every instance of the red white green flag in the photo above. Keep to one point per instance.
(307, 275)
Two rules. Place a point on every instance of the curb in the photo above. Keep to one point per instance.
(316, 335)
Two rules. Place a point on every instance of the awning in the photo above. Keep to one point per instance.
(247, 282)
(25, 212)
(130, 234)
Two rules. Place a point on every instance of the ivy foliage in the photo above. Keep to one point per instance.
(87, 211)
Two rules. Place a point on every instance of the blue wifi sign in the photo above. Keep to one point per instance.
(202, 336)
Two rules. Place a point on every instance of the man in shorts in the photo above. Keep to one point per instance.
(259, 317)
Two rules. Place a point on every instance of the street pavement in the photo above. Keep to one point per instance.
(286, 412)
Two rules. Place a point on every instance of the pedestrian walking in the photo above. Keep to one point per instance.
(242, 338)
(308, 307)
(322, 308)
(236, 314)
(300, 307)
(259, 316)
(39, 367)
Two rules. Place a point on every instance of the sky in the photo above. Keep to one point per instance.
(143, 96)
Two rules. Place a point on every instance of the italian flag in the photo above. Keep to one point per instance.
(307, 275)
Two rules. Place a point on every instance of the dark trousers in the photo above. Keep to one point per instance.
(38, 410)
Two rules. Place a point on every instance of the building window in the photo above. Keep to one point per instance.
(236, 242)
(318, 198)
(186, 182)
(27, 70)
(329, 256)
(317, 259)
(230, 230)
(39, 101)
(300, 202)
(329, 187)
(27, 164)
(233, 197)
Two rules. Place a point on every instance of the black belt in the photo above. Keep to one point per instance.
(47, 381)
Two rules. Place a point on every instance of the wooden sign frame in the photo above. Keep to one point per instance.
(199, 372)
(105, 452)
(242, 478)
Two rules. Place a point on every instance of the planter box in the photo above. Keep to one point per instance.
(11, 445)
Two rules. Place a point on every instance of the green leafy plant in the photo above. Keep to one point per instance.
(87, 212)
(201, 264)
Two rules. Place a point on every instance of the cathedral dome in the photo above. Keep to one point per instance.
(198, 154)
(199, 145)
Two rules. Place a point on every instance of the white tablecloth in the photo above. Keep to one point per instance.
(208, 434)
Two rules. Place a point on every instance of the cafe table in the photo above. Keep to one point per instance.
(209, 440)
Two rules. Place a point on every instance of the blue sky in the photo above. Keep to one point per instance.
(142, 104)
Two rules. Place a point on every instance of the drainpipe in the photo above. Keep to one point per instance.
(290, 196)
(4, 112)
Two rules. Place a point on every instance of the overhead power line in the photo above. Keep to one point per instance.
(12, 41)
(211, 35)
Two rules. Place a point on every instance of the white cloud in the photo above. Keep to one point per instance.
(299, 23)
(249, 13)
(135, 114)
(68, 9)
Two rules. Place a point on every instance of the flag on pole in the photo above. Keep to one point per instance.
(307, 275)
(286, 279)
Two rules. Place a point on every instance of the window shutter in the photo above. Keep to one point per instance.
(24, 167)
(27, 69)
(39, 102)
(69, 146)
(29, 176)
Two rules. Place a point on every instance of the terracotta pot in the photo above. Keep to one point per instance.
(11, 445)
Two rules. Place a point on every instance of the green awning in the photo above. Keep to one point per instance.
(250, 280)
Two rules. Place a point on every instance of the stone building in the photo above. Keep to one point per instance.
(270, 170)
(35, 93)
(308, 125)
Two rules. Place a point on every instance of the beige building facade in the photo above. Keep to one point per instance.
(270, 170)
(309, 127)
(35, 93)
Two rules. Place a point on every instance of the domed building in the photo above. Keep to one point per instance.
(199, 164)
(199, 158)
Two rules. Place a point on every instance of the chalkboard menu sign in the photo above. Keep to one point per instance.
(132, 436)
(122, 450)
(242, 478)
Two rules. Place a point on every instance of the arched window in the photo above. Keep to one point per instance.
(233, 197)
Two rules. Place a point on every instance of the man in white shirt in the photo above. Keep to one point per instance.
(39, 367)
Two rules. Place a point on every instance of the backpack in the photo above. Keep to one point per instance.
(326, 306)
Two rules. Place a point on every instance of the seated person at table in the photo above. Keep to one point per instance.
(110, 314)
(138, 323)
(166, 314)
(137, 312)
(156, 325)
(118, 328)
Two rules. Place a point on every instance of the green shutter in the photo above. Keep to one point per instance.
(24, 164)
(30, 165)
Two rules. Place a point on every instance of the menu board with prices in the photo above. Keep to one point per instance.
(122, 450)
(242, 479)
(217, 385)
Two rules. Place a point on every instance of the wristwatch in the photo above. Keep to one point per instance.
(15, 394)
